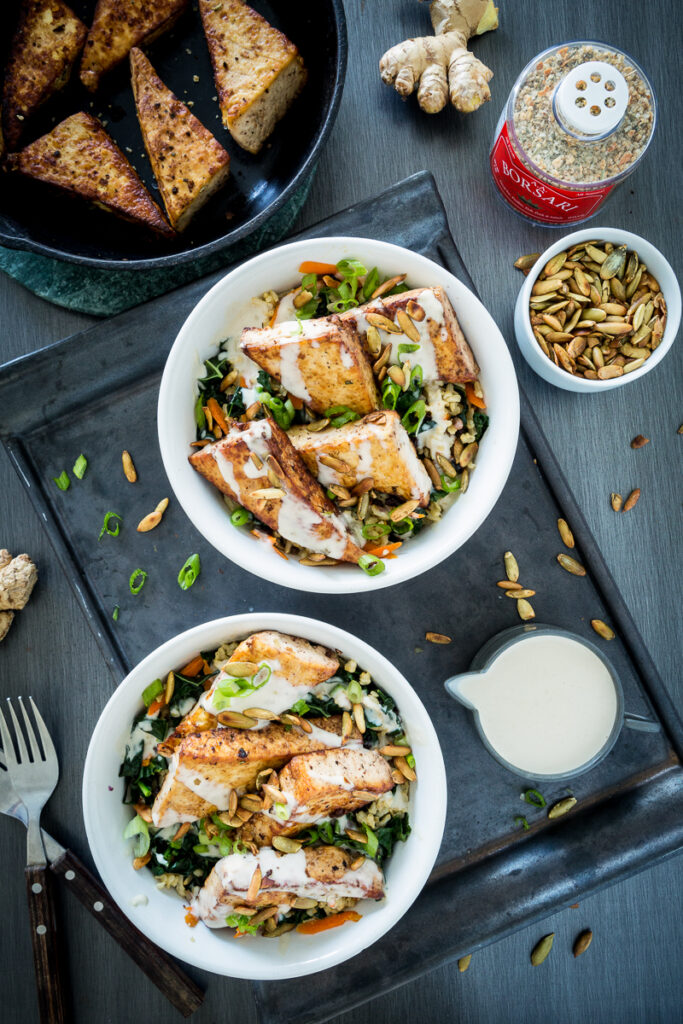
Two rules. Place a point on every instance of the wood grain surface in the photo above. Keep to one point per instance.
(631, 973)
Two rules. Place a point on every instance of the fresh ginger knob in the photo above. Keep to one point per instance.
(442, 64)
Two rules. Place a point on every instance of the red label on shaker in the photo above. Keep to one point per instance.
(535, 198)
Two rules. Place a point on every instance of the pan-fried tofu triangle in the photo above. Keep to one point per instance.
(258, 71)
(322, 362)
(293, 668)
(46, 43)
(79, 157)
(297, 507)
(188, 162)
(323, 874)
(207, 766)
(320, 785)
(117, 26)
(377, 447)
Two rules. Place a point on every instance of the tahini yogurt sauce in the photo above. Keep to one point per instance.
(547, 704)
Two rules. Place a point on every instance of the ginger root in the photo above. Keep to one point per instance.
(442, 64)
(18, 577)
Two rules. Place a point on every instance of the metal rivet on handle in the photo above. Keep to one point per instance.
(36, 888)
(70, 875)
(41, 929)
(98, 905)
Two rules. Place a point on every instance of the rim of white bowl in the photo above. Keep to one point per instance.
(425, 840)
(502, 434)
(671, 291)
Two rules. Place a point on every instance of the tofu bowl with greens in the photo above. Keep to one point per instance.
(264, 795)
(325, 408)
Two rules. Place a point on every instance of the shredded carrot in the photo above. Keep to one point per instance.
(269, 540)
(190, 920)
(311, 267)
(472, 398)
(193, 668)
(384, 550)
(206, 667)
(218, 415)
(296, 402)
(155, 706)
(323, 923)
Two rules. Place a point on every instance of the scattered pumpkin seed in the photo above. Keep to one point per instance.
(464, 963)
(616, 501)
(565, 533)
(524, 609)
(438, 638)
(511, 567)
(508, 585)
(602, 629)
(525, 263)
(571, 565)
(632, 500)
(542, 949)
(519, 594)
(129, 470)
(562, 807)
(236, 720)
(582, 942)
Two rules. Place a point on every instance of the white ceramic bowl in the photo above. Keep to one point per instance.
(654, 261)
(207, 326)
(162, 918)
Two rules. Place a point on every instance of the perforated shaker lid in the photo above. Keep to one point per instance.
(592, 98)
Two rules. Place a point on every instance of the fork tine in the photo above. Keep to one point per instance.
(43, 732)
(36, 752)
(7, 745)
(18, 735)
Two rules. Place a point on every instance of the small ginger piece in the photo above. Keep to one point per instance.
(442, 66)
(17, 579)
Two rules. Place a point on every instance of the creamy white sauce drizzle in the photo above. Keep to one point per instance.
(278, 694)
(213, 792)
(436, 440)
(291, 376)
(254, 313)
(141, 734)
(425, 355)
(547, 704)
(286, 310)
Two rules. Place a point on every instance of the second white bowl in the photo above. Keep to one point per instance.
(278, 270)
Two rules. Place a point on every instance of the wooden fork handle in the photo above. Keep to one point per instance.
(46, 945)
(159, 967)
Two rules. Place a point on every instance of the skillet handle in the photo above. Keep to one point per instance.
(159, 967)
(46, 944)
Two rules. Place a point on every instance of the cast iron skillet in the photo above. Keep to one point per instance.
(38, 219)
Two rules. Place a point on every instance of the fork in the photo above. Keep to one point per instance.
(34, 776)
(159, 967)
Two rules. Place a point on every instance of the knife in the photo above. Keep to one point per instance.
(159, 967)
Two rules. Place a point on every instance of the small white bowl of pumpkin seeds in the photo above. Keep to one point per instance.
(599, 308)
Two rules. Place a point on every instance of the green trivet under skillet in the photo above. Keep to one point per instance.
(106, 292)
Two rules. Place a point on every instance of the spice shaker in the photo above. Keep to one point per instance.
(578, 121)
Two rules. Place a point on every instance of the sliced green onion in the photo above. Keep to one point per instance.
(115, 613)
(375, 531)
(137, 829)
(523, 822)
(137, 580)
(144, 788)
(371, 282)
(390, 394)
(201, 848)
(228, 689)
(262, 676)
(309, 281)
(199, 415)
(300, 707)
(112, 531)
(338, 415)
(351, 267)
(239, 847)
(225, 847)
(62, 480)
(283, 411)
(80, 466)
(354, 692)
(403, 526)
(410, 760)
(406, 347)
(371, 565)
(532, 796)
(281, 811)
(449, 484)
(151, 692)
(372, 842)
(240, 517)
(331, 495)
(416, 377)
(413, 417)
(189, 572)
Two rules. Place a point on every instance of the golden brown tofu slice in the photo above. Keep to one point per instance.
(118, 26)
(46, 43)
(189, 164)
(377, 447)
(321, 361)
(442, 352)
(80, 158)
(322, 873)
(258, 71)
(207, 766)
(321, 785)
(296, 667)
(297, 508)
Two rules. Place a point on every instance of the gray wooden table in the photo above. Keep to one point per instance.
(632, 973)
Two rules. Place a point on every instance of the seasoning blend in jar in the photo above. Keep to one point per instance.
(578, 120)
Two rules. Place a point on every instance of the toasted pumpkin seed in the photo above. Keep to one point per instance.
(602, 629)
(438, 638)
(415, 311)
(511, 567)
(508, 585)
(374, 342)
(562, 807)
(393, 750)
(542, 948)
(405, 769)
(359, 717)
(286, 845)
(383, 323)
(254, 884)
(524, 609)
(527, 262)
(236, 720)
(240, 669)
(616, 501)
(632, 500)
(519, 594)
(129, 469)
(582, 942)
(639, 441)
(565, 533)
(571, 565)
(407, 326)
(464, 962)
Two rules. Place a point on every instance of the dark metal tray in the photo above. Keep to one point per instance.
(34, 217)
(98, 395)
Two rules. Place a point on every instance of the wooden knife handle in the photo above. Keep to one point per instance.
(46, 945)
(159, 967)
